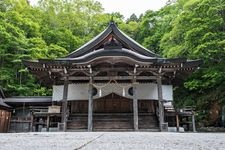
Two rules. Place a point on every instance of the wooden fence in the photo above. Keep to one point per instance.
(4, 120)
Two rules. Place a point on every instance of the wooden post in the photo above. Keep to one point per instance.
(188, 124)
(32, 121)
(64, 104)
(9, 122)
(193, 122)
(90, 105)
(223, 116)
(47, 122)
(160, 102)
(135, 105)
(177, 122)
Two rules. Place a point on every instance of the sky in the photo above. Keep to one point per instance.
(128, 7)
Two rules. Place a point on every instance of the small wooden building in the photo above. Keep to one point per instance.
(112, 83)
(5, 114)
(23, 108)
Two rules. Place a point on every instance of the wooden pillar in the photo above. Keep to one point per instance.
(223, 116)
(188, 124)
(160, 102)
(47, 123)
(64, 104)
(90, 105)
(177, 122)
(135, 105)
(32, 121)
(193, 122)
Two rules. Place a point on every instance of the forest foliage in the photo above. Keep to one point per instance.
(194, 29)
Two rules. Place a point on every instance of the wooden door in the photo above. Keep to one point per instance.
(113, 104)
(79, 106)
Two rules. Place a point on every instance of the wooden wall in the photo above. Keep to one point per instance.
(4, 120)
(113, 106)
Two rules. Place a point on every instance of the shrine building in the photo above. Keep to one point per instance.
(111, 83)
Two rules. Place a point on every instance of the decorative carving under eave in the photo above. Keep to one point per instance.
(112, 43)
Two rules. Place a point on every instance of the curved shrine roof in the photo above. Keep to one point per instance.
(112, 42)
(111, 46)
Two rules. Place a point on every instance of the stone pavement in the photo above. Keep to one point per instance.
(112, 141)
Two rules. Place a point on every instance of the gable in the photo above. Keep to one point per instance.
(112, 31)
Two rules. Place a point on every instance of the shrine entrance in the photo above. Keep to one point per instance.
(113, 113)
(113, 103)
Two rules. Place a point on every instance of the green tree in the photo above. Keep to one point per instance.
(198, 33)
(154, 25)
(49, 30)
(133, 18)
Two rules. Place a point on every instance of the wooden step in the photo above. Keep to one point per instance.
(113, 121)
(113, 125)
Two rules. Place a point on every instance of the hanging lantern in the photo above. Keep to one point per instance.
(100, 92)
(123, 92)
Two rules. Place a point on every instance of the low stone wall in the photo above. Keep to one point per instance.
(211, 129)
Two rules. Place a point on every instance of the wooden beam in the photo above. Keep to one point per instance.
(114, 69)
(90, 105)
(160, 102)
(64, 103)
(113, 77)
(155, 69)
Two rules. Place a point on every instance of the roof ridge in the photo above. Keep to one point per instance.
(112, 28)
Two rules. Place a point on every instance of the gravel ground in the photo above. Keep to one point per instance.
(112, 141)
